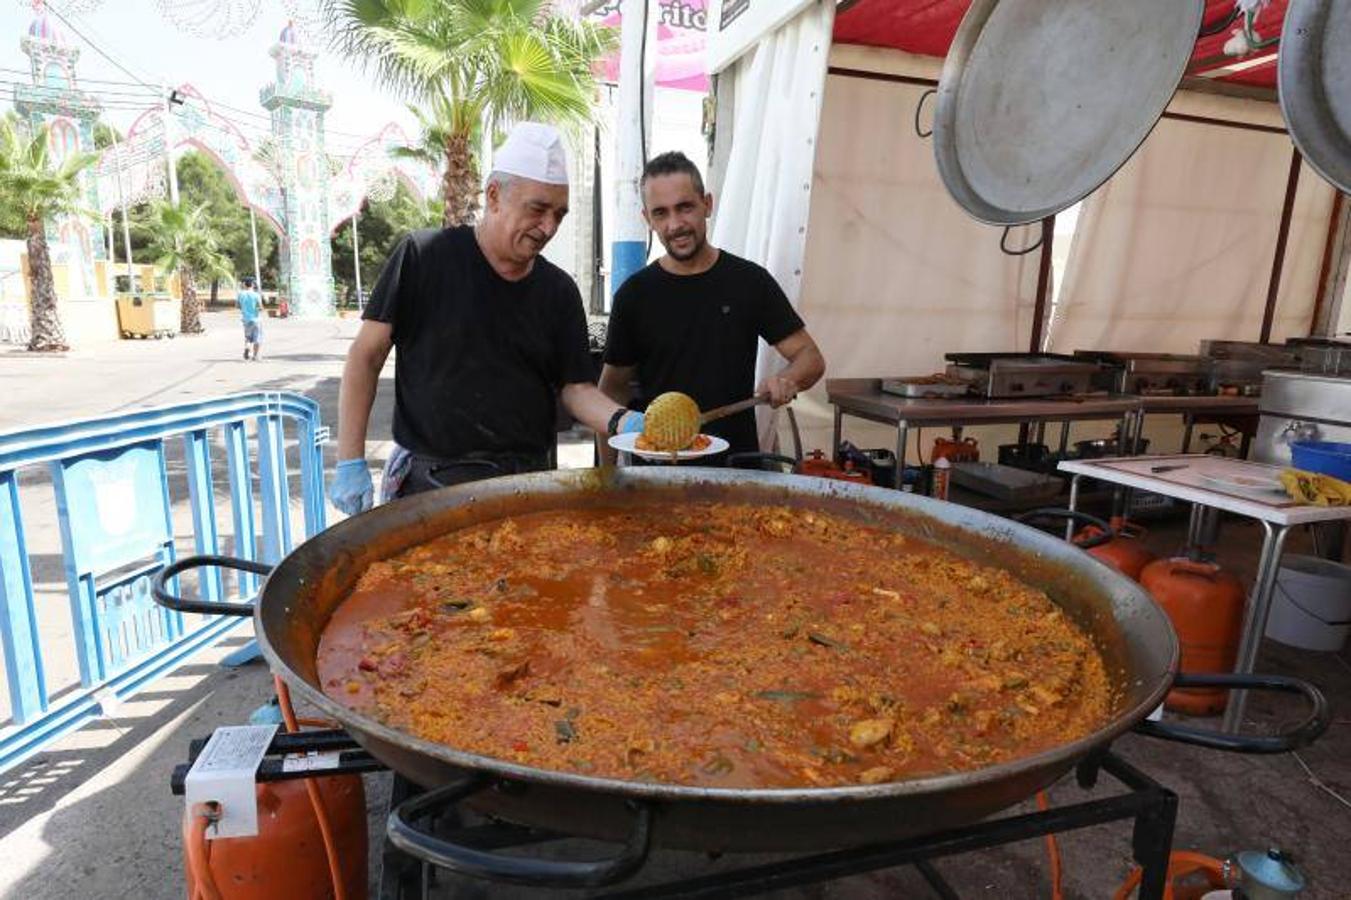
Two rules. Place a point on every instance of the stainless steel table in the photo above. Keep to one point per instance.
(1194, 481)
(863, 398)
(1191, 409)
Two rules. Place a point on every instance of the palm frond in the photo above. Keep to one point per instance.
(473, 64)
(29, 184)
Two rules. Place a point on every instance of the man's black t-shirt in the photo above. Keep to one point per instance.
(697, 334)
(479, 358)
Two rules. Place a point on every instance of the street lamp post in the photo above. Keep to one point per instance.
(122, 201)
(169, 135)
(253, 235)
(356, 258)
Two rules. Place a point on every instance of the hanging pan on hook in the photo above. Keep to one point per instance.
(1314, 76)
(1040, 103)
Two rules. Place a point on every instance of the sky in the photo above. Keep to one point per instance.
(228, 70)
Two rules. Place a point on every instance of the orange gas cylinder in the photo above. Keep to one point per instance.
(1125, 552)
(849, 473)
(955, 451)
(288, 857)
(1205, 604)
(815, 463)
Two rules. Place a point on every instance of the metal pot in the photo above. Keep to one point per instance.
(1264, 876)
(1131, 631)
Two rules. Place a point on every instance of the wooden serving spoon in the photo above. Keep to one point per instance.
(731, 409)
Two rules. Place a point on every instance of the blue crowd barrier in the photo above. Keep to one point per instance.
(115, 513)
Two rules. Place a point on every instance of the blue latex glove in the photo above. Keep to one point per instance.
(351, 489)
(631, 422)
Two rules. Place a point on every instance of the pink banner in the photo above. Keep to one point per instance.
(679, 61)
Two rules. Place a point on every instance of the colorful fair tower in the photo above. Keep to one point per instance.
(54, 101)
(297, 107)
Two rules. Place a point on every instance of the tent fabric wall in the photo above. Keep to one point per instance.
(762, 214)
(1178, 246)
(896, 273)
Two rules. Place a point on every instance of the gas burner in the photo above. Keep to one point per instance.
(1153, 374)
(1236, 367)
(1017, 375)
(469, 863)
(1152, 807)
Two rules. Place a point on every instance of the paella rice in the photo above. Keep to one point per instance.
(725, 645)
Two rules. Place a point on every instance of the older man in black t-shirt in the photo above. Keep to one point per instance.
(489, 333)
(690, 321)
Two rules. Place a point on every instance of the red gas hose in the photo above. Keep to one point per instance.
(1052, 851)
(288, 715)
(195, 823)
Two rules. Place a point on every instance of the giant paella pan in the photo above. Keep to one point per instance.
(304, 596)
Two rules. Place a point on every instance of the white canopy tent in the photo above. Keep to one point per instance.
(889, 273)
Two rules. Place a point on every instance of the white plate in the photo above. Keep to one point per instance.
(1243, 482)
(624, 442)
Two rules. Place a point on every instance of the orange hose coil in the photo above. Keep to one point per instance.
(1181, 863)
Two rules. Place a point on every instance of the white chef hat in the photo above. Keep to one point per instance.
(533, 151)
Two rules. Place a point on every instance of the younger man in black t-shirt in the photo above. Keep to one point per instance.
(689, 321)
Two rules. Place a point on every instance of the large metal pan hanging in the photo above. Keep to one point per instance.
(1314, 75)
(1039, 103)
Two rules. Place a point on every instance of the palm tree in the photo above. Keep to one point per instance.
(474, 63)
(181, 241)
(33, 191)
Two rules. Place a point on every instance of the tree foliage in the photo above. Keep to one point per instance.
(379, 227)
(182, 242)
(33, 189)
(472, 64)
(201, 182)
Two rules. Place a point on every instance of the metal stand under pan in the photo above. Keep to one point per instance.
(638, 872)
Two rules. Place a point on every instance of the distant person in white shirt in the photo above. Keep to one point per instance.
(250, 313)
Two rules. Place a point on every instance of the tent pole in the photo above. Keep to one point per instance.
(1043, 285)
(1282, 236)
(1043, 295)
(628, 247)
(1326, 278)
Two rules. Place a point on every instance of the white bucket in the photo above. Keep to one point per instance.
(1311, 606)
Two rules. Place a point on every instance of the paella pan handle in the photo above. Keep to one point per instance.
(919, 108)
(1034, 515)
(160, 591)
(1314, 724)
(477, 863)
(1004, 244)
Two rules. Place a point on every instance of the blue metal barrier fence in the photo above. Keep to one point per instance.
(115, 512)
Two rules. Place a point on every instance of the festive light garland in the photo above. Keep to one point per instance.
(217, 19)
(66, 7)
(383, 187)
(308, 18)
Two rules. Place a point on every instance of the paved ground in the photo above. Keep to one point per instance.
(125, 375)
(93, 817)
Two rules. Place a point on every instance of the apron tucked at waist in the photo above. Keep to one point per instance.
(426, 473)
